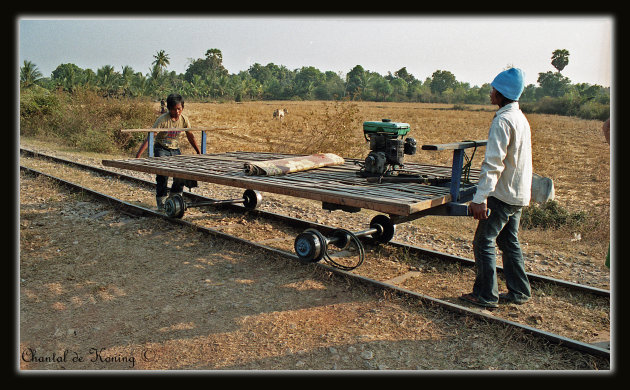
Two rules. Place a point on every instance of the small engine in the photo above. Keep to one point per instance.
(387, 147)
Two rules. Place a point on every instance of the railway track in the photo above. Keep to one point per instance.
(296, 223)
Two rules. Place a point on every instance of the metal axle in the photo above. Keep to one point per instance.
(175, 206)
(311, 245)
(214, 202)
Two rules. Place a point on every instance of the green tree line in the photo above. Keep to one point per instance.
(206, 79)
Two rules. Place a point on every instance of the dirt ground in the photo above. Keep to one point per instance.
(553, 309)
(174, 299)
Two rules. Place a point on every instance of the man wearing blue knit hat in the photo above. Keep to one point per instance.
(504, 188)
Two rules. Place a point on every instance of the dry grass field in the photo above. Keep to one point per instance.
(571, 151)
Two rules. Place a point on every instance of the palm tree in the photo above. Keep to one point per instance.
(29, 74)
(196, 86)
(89, 79)
(560, 59)
(139, 85)
(127, 77)
(161, 60)
(107, 80)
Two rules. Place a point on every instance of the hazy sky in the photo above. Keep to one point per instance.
(474, 49)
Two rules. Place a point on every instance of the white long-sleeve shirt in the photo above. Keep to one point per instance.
(506, 172)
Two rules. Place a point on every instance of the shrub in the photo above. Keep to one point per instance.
(326, 132)
(550, 215)
(37, 110)
(569, 106)
(84, 119)
(594, 110)
(37, 101)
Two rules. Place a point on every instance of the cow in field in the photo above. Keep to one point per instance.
(280, 113)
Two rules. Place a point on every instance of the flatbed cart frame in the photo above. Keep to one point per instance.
(151, 135)
(337, 187)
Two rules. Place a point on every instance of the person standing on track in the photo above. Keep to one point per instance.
(167, 144)
(504, 188)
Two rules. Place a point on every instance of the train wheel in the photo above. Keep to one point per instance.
(175, 206)
(386, 229)
(310, 246)
(252, 199)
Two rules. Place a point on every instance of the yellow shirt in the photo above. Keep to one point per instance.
(170, 139)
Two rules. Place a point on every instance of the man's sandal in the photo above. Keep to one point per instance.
(475, 301)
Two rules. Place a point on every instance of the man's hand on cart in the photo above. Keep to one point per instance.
(479, 210)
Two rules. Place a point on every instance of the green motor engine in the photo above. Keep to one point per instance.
(387, 148)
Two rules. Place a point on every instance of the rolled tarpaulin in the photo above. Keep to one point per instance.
(291, 164)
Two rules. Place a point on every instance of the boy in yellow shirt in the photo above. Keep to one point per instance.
(167, 144)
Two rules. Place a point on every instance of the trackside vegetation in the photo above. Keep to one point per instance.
(206, 79)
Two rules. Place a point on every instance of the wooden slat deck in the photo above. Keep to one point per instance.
(334, 184)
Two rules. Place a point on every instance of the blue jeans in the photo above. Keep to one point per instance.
(500, 227)
(161, 188)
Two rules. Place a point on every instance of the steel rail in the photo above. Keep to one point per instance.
(139, 210)
(296, 222)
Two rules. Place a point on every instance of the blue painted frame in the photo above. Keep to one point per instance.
(459, 196)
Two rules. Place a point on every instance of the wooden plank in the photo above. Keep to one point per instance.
(177, 129)
(455, 145)
(336, 184)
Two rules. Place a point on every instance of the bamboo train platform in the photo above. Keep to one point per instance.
(337, 184)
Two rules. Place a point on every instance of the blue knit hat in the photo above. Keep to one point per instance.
(510, 83)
